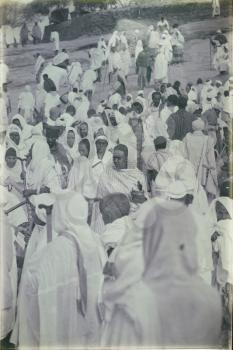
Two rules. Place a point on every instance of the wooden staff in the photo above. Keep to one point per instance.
(48, 209)
(8, 211)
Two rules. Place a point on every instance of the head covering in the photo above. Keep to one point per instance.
(47, 199)
(198, 124)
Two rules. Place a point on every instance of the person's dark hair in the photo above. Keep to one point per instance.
(155, 93)
(122, 148)
(175, 25)
(176, 84)
(199, 81)
(118, 202)
(45, 76)
(91, 113)
(11, 152)
(75, 90)
(86, 143)
(70, 109)
(188, 199)
(123, 110)
(182, 102)
(160, 142)
(173, 100)
(226, 93)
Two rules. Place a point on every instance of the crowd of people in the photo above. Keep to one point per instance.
(116, 217)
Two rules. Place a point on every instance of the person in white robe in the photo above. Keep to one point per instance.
(169, 289)
(67, 286)
(220, 228)
(177, 167)
(221, 62)
(163, 25)
(114, 40)
(88, 82)
(52, 100)
(125, 60)
(26, 104)
(119, 178)
(74, 74)
(4, 115)
(43, 22)
(57, 74)
(81, 178)
(8, 35)
(216, 8)
(56, 40)
(16, 31)
(41, 172)
(8, 264)
(26, 129)
(123, 242)
(123, 39)
(161, 65)
(154, 39)
(68, 116)
(177, 42)
(14, 139)
(103, 156)
(169, 108)
(199, 150)
(70, 139)
(81, 104)
(4, 69)
(38, 66)
(11, 172)
(138, 49)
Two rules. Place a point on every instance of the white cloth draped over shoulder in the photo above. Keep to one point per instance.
(64, 279)
(81, 178)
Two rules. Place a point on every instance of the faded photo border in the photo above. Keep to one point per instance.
(81, 30)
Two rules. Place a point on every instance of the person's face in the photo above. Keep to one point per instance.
(70, 138)
(83, 150)
(11, 161)
(156, 100)
(17, 122)
(221, 212)
(83, 130)
(119, 159)
(15, 137)
(51, 141)
(101, 146)
(188, 88)
(163, 89)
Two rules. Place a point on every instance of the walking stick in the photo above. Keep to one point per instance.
(8, 211)
(210, 55)
(48, 209)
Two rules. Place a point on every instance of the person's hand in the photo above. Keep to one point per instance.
(214, 236)
(7, 181)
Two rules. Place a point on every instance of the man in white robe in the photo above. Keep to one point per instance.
(60, 287)
(26, 104)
